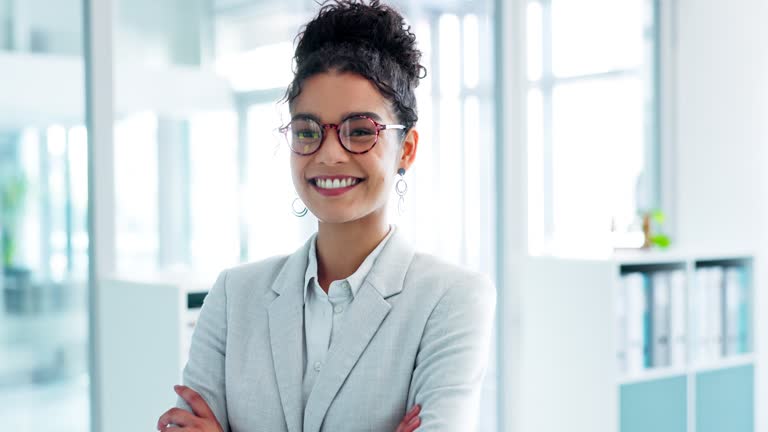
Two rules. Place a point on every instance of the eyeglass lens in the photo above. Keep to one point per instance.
(357, 134)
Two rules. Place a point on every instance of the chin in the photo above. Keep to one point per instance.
(335, 216)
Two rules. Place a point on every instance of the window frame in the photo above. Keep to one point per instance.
(656, 177)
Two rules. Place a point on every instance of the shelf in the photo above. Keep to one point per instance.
(725, 363)
(729, 261)
(641, 256)
(579, 310)
(653, 374)
(648, 267)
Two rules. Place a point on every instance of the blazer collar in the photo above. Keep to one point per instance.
(388, 272)
(294, 268)
(386, 276)
(362, 319)
(357, 278)
(286, 334)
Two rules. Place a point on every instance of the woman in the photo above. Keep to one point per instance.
(355, 327)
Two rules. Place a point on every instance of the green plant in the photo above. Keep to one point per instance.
(656, 237)
(13, 190)
(661, 240)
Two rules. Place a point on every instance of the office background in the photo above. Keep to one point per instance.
(547, 127)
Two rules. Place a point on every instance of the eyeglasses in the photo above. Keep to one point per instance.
(357, 134)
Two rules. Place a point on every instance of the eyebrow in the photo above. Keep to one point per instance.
(316, 118)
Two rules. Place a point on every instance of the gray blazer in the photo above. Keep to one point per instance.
(418, 331)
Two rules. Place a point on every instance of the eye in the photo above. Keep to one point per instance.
(361, 131)
(307, 134)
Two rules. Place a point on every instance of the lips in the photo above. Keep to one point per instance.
(334, 181)
(333, 177)
(334, 185)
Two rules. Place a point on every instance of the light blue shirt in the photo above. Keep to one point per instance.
(323, 312)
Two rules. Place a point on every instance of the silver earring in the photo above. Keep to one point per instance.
(401, 187)
(296, 212)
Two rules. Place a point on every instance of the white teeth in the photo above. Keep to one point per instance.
(335, 183)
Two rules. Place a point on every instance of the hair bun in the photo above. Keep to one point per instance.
(360, 24)
(365, 38)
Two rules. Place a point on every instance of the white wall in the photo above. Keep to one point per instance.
(722, 113)
(722, 141)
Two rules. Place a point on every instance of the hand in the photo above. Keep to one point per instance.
(178, 420)
(411, 420)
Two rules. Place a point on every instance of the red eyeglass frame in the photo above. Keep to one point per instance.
(323, 127)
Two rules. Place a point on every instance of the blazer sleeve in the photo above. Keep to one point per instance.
(453, 356)
(204, 371)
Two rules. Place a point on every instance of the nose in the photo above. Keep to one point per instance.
(331, 151)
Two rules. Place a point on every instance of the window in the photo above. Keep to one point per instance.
(44, 199)
(592, 122)
(136, 179)
(450, 199)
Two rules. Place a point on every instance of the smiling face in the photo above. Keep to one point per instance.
(338, 186)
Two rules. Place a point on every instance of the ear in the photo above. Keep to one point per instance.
(408, 149)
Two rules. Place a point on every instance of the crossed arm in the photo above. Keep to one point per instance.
(202, 419)
(453, 355)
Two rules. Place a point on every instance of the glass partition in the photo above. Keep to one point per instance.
(43, 217)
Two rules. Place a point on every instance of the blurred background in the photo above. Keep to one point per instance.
(601, 160)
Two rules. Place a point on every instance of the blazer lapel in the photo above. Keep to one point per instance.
(286, 320)
(361, 321)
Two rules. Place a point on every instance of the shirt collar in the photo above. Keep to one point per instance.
(356, 279)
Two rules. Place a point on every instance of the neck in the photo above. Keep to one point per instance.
(342, 247)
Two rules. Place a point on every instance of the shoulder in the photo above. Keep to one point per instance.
(459, 302)
(445, 279)
(244, 278)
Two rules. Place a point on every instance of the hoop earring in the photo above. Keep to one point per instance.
(298, 213)
(401, 187)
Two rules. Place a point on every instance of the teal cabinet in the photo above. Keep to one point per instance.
(657, 405)
(725, 400)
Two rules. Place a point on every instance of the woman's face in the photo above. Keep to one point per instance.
(332, 97)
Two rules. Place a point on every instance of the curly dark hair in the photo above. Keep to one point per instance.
(366, 38)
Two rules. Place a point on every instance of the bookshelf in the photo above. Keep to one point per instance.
(654, 341)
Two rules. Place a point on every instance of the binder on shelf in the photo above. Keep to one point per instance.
(701, 308)
(638, 339)
(621, 328)
(647, 323)
(661, 316)
(732, 309)
(678, 317)
(723, 304)
(736, 311)
(716, 311)
(745, 319)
